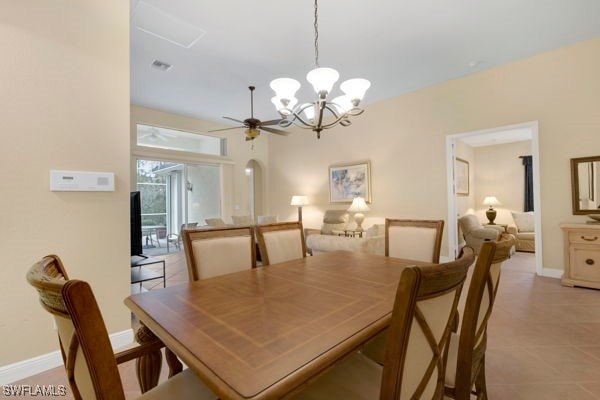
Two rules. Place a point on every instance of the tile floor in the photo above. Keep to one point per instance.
(544, 339)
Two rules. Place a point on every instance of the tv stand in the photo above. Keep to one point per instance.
(140, 274)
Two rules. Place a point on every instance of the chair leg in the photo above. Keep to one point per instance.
(480, 387)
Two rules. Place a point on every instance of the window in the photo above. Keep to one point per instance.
(171, 139)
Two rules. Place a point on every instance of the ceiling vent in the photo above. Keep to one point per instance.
(163, 66)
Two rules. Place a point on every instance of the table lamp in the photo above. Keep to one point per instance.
(358, 206)
(491, 213)
(299, 201)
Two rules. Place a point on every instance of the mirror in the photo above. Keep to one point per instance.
(585, 185)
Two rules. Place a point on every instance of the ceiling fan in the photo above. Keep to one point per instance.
(254, 126)
(154, 134)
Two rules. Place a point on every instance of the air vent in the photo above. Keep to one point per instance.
(163, 66)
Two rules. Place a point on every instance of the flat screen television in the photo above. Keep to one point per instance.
(136, 224)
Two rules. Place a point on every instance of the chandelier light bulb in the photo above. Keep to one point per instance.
(285, 88)
(355, 89)
(309, 111)
(282, 108)
(322, 79)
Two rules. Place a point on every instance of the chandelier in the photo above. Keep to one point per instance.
(322, 113)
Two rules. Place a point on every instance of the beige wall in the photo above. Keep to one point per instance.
(239, 152)
(65, 105)
(500, 173)
(404, 138)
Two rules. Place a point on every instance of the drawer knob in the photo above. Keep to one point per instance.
(589, 239)
(589, 261)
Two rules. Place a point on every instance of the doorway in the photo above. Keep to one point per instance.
(459, 204)
(254, 176)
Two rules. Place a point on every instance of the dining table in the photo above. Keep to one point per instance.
(263, 333)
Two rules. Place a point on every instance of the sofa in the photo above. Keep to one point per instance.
(476, 234)
(523, 230)
(372, 242)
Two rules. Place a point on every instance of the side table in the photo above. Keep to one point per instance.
(140, 275)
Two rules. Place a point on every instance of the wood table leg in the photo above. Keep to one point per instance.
(147, 366)
(173, 362)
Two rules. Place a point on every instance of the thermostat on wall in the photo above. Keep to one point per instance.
(81, 181)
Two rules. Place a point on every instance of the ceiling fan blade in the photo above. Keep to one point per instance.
(271, 122)
(233, 119)
(275, 131)
(226, 129)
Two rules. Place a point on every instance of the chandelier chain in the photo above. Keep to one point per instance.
(316, 24)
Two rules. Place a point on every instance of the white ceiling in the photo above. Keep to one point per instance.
(399, 45)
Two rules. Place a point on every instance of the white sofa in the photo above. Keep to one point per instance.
(372, 242)
(523, 230)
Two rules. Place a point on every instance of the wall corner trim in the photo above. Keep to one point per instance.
(32, 366)
(552, 273)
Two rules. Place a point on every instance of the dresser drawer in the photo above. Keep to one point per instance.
(585, 262)
(585, 237)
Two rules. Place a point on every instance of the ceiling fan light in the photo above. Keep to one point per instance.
(322, 79)
(342, 104)
(252, 133)
(281, 107)
(285, 88)
(355, 89)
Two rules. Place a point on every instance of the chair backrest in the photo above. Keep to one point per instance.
(215, 222)
(475, 308)
(423, 315)
(414, 239)
(212, 252)
(242, 220)
(87, 353)
(334, 220)
(280, 242)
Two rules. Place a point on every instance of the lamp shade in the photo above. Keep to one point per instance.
(285, 88)
(491, 201)
(299, 201)
(342, 104)
(322, 79)
(355, 89)
(358, 205)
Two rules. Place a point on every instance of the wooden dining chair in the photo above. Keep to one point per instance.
(280, 242)
(218, 251)
(413, 368)
(89, 361)
(466, 355)
(414, 239)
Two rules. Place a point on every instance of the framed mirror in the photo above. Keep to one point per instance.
(585, 185)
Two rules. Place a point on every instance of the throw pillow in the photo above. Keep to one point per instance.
(524, 221)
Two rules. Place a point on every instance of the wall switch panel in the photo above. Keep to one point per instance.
(81, 181)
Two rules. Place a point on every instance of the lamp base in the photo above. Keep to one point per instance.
(491, 216)
(359, 218)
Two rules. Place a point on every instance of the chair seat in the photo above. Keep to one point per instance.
(355, 378)
(183, 386)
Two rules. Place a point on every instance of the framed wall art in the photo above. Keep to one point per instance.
(350, 180)
(461, 177)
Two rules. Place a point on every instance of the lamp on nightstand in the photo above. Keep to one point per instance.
(491, 213)
(358, 206)
(299, 201)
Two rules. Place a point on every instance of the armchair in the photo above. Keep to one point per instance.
(476, 234)
(333, 220)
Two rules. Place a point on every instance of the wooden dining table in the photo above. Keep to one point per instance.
(264, 332)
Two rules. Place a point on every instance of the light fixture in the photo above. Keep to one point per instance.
(322, 113)
(491, 213)
(299, 201)
(358, 206)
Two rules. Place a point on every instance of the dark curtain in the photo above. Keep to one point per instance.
(528, 202)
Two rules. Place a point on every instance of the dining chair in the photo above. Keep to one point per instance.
(218, 251)
(89, 361)
(466, 354)
(280, 242)
(423, 316)
(176, 238)
(414, 239)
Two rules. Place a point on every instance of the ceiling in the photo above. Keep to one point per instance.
(218, 48)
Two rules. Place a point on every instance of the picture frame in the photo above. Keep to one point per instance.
(350, 180)
(461, 176)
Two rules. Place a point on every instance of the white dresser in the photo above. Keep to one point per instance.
(582, 255)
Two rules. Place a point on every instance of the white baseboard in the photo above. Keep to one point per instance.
(26, 368)
(552, 273)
